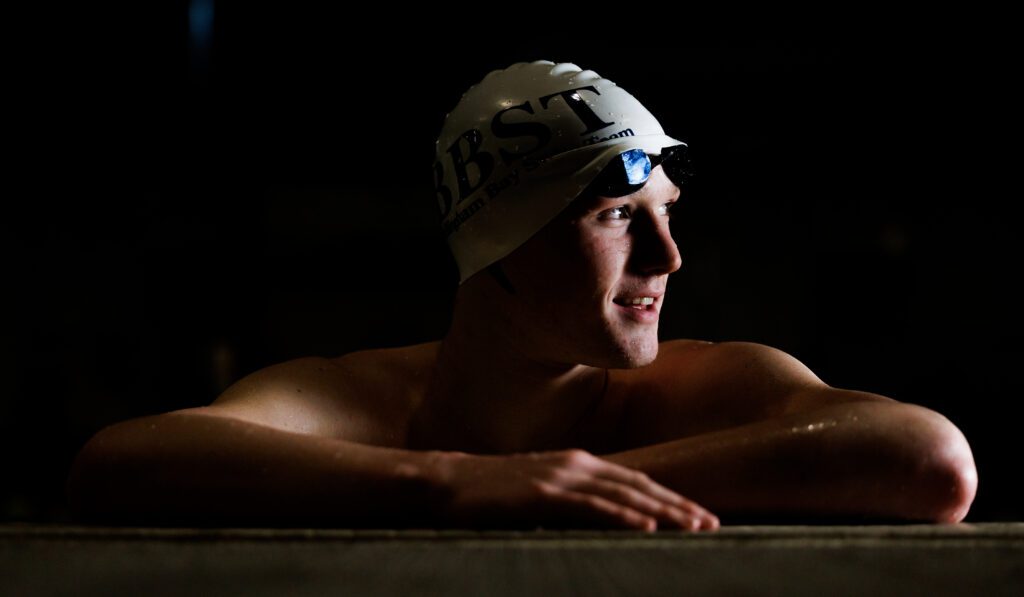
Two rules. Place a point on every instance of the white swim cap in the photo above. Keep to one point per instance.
(521, 145)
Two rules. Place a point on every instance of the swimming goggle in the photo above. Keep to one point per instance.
(628, 172)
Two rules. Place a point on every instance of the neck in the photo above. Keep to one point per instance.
(495, 394)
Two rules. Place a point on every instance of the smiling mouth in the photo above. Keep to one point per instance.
(639, 303)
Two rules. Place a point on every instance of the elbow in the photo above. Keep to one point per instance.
(95, 473)
(85, 479)
(948, 478)
(79, 487)
(959, 485)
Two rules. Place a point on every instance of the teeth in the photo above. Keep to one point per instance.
(644, 300)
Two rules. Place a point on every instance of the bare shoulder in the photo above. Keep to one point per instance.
(697, 387)
(737, 365)
(348, 397)
(381, 367)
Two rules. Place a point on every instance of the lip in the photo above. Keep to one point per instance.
(649, 313)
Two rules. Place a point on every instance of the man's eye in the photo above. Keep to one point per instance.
(616, 213)
(622, 212)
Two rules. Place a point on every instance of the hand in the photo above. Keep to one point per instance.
(563, 489)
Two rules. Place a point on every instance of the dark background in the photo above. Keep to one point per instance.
(185, 209)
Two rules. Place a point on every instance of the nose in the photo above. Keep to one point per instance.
(654, 250)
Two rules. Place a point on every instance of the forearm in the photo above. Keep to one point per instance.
(885, 460)
(200, 469)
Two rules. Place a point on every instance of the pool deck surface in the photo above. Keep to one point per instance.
(962, 559)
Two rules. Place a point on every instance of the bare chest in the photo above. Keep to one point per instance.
(597, 430)
(620, 420)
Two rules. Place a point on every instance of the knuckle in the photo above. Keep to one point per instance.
(642, 477)
(576, 456)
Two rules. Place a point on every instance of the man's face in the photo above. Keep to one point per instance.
(575, 278)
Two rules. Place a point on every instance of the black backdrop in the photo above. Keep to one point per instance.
(187, 212)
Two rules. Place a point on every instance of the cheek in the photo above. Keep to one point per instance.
(606, 254)
(577, 260)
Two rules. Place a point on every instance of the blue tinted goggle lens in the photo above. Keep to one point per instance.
(637, 166)
(628, 172)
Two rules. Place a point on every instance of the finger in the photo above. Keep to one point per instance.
(606, 469)
(573, 507)
(635, 499)
(644, 483)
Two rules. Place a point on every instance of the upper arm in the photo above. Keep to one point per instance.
(778, 381)
(310, 395)
(771, 381)
(692, 391)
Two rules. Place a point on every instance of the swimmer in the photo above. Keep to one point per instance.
(550, 402)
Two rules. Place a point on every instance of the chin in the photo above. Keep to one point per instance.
(636, 352)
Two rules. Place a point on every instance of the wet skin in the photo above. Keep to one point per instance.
(557, 405)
